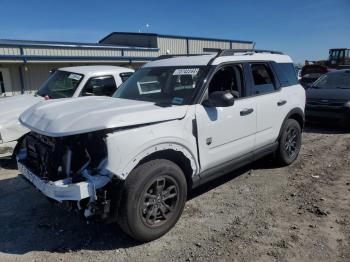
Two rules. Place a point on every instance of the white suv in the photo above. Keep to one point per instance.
(173, 125)
(63, 83)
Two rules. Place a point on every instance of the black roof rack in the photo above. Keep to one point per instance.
(220, 52)
(228, 52)
(175, 55)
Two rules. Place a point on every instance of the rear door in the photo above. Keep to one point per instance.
(270, 103)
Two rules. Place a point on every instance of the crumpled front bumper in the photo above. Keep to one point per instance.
(64, 189)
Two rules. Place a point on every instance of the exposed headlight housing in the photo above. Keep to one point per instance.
(347, 104)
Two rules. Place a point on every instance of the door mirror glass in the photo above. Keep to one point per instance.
(220, 99)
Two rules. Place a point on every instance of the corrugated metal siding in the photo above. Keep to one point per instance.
(14, 75)
(174, 45)
(196, 46)
(140, 53)
(71, 52)
(9, 51)
(242, 45)
(35, 74)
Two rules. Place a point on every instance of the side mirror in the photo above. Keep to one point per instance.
(220, 99)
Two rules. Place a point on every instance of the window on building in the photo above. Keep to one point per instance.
(100, 86)
(263, 78)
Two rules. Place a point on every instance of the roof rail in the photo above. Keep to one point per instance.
(230, 52)
(175, 55)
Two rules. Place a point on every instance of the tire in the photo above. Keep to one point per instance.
(152, 200)
(289, 142)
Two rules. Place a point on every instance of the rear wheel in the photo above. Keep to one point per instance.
(153, 199)
(289, 142)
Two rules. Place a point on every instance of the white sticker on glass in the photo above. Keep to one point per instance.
(75, 77)
(186, 71)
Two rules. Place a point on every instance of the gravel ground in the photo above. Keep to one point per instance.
(259, 213)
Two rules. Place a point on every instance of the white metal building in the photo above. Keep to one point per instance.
(25, 65)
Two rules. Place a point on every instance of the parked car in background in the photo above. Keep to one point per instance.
(173, 125)
(329, 97)
(310, 73)
(62, 83)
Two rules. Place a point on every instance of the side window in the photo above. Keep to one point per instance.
(100, 86)
(286, 74)
(228, 78)
(262, 78)
(125, 76)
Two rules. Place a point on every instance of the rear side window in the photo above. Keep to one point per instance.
(125, 76)
(100, 86)
(286, 74)
(263, 78)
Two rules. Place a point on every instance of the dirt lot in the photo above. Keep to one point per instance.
(260, 213)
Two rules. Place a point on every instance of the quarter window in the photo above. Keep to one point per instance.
(286, 74)
(263, 78)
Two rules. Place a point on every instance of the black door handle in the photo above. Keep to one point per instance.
(246, 111)
(281, 103)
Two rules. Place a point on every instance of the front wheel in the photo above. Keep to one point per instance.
(289, 142)
(153, 198)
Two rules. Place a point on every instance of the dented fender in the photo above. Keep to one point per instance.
(127, 148)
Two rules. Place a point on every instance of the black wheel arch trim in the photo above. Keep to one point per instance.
(294, 111)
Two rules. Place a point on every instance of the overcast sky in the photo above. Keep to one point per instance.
(304, 29)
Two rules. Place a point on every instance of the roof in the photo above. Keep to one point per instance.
(89, 70)
(176, 36)
(199, 60)
(55, 44)
(202, 60)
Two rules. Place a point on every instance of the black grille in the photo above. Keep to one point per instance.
(43, 156)
(326, 102)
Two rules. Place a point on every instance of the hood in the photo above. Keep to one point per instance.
(12, 107)
(328, 94)
(66, 117)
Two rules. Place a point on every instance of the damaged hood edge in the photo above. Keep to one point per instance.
(88, 114)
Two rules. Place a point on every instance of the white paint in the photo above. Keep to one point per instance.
(66, 117)
(64, 189)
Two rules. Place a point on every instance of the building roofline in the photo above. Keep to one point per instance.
(38, 58)
(77, 45)
(178, 36)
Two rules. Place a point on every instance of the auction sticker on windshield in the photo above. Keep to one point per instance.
(186, 71)
(75, 77)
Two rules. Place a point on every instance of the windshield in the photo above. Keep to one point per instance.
(60, 84)
(162, 85)
(333, 81)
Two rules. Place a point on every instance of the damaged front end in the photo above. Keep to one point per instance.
(70, 170)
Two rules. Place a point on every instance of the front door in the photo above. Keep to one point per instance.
(225, 133)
